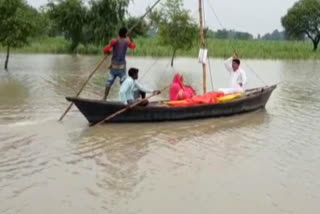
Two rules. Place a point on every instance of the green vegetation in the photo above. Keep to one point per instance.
(56, 45)
(176, 27)
(258, 49)
(71, 26)
(274, 36)
(69, 17)
(95, 24)
(105, 17)
(141, 28)
(15, 26)
(231, 34)
(303, 19)
(218, 48)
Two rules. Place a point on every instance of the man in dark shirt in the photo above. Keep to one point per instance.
(118, 47)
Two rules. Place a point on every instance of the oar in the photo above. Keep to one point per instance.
(127, 108)
(131, 29)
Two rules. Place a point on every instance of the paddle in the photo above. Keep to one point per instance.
(106, 57)
(127, 108)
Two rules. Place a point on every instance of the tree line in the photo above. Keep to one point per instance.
(98, 21)
(94, 23)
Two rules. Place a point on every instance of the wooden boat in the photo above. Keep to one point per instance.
(95, 111)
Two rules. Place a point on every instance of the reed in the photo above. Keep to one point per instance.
(258, 49)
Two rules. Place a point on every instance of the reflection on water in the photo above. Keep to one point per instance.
(13, 98)
(261, 162)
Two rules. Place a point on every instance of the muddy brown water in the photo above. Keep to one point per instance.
(262, 162)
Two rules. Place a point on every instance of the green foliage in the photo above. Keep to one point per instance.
(18, 22)
(303, 19)
(176, 27)
(258, 49)
(48, 26)
(70, 17)
(243, 36)
(209, 33)
(140, 30)
(221, 34)
(96, 23)
(104, 19)
(275, 36)
(231, 34)
(178, 33)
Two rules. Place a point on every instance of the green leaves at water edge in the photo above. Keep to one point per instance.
(177, 29)
(17, 23)
(303, 19)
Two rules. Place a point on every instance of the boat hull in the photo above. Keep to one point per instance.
(95, 111)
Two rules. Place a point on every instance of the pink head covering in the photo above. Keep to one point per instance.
(178, 85)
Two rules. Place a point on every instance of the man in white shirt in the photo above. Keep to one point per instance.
(238, 77)
(131, 90)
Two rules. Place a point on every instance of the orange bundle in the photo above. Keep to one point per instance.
(208, 98)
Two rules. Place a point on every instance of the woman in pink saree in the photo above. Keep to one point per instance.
(179, 91)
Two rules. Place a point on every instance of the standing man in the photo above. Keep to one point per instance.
(238, 77)
(118, 47)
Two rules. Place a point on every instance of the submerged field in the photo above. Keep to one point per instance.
(218, 48)
(264, 162)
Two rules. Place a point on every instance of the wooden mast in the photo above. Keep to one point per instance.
(203, 45)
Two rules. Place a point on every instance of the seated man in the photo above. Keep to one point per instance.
(180, 91)
(131, 91)
(238, 78)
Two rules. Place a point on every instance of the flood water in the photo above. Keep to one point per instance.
(262, 162)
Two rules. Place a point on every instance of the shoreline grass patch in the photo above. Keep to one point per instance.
(218, 48)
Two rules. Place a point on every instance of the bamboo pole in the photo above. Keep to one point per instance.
(144, 15)
(82, 87)
(203, 45)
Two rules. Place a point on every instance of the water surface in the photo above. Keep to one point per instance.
(262, 162)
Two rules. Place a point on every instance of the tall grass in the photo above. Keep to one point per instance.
(245, 48)
(263, 49)
(217, 48)
(55, 45)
